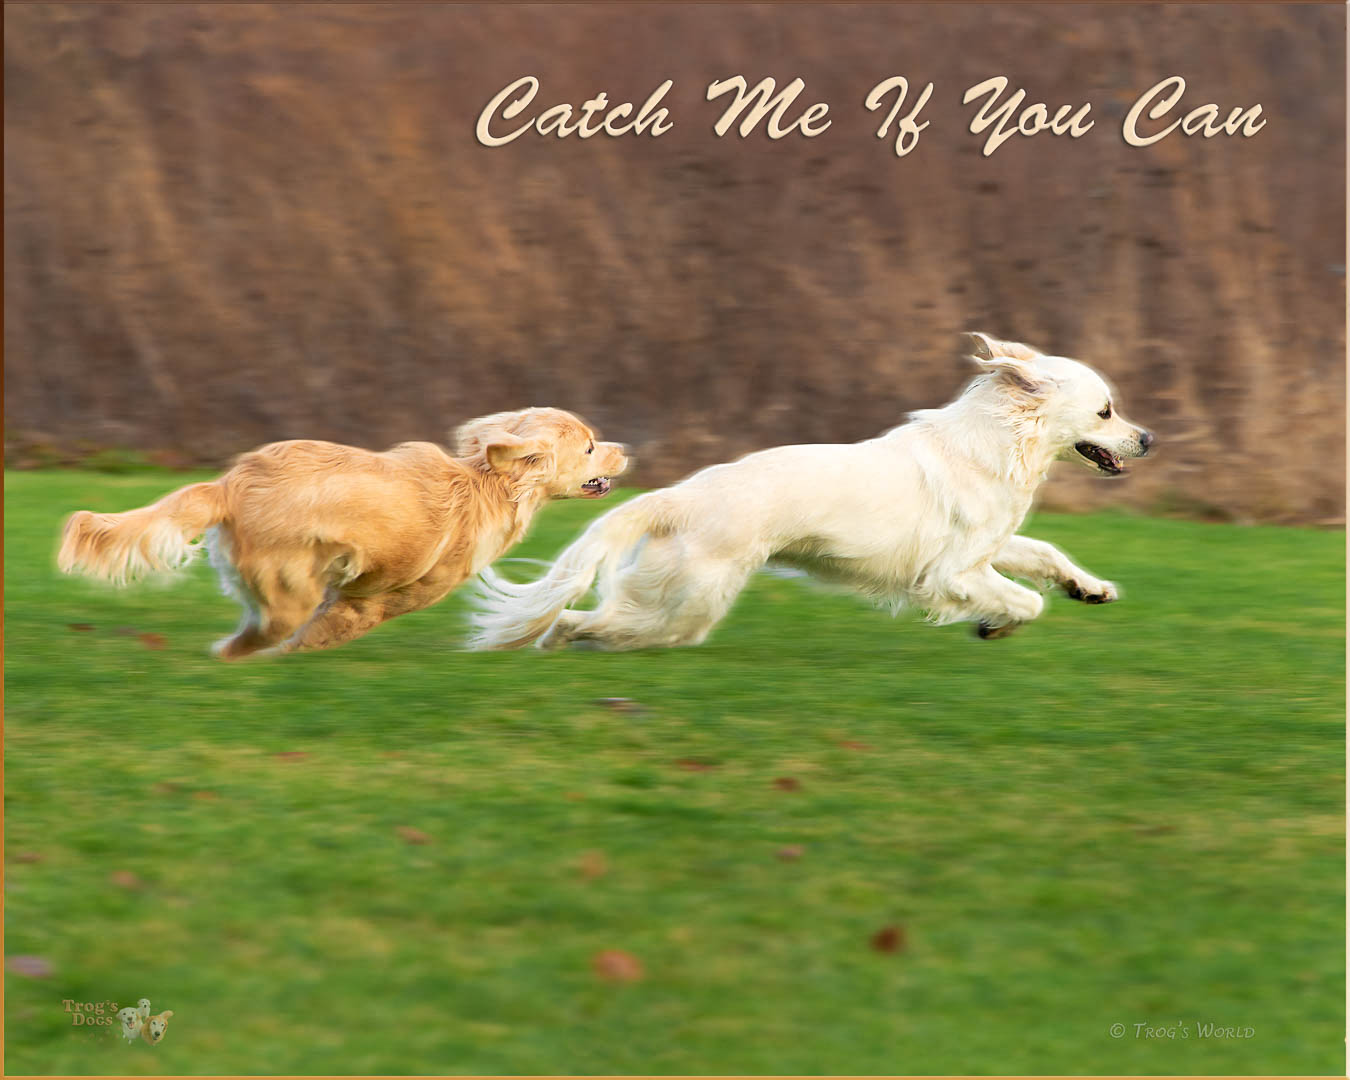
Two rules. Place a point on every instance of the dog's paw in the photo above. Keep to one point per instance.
(1093, 592)
(986, 632)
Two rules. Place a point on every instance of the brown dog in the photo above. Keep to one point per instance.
(322, 542)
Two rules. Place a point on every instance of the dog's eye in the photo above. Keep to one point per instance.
(1105, 414)
(590, 449)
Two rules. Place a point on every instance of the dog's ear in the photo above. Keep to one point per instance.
(1010, 360)
(987, 348)
(472, 436)
(529, 460)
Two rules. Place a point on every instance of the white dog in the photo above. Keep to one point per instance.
(925, 515)
(131, 1021)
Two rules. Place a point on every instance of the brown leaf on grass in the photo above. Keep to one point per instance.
(792, 851)
(620, 704)
(592, 864)
(153, 641)
(28, 857)
(125, 879)
(615, 965)
(694, 765)
(33, 966)
(889, 939)
(166, 787)
(291, 755)
(81, 627)
(787, 783)
(413, 836)
(207, 795)
(853, 744)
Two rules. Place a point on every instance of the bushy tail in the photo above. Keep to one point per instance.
(122, 547)
(510, 615)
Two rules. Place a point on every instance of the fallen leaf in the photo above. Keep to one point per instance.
(33, 966)
(617, 966)
(125, 879)
(166, 787)
(153, 641)
(786, 783)
(413, 836)
(620, 704)
(593, 864)
(28, 857)
(292, 755)
(792, 851)
(205, 795)
(889, 939)
(81, 627)
(694, 765)
(851, 744)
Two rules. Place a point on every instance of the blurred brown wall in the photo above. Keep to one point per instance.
(231, 224)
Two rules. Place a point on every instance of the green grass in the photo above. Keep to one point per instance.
(1124, 814)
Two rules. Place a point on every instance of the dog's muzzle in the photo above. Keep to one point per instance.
(1105, 461)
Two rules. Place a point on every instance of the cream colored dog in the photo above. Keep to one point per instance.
(131, 1022)
(924, 515)
(322, 542)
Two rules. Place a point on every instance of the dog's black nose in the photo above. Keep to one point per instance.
(1146, 440)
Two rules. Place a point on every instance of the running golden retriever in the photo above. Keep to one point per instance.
(925, 515)
(321, 542)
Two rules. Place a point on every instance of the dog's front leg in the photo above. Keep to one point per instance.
(999, 605)
(1038, 561)
(346, 617)
(349, 617)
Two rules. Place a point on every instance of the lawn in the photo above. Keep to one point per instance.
(828, 841)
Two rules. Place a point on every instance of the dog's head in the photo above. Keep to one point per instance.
(1074, 407)
(156, 1026)
(545, 449)
(128, 1017)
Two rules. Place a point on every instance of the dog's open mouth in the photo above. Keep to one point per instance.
(595, 489)
(1106, 461)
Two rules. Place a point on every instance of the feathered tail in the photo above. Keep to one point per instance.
(510, 615)
(122, 547)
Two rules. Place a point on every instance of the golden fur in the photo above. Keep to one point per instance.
(322, 542)
(154, 1027)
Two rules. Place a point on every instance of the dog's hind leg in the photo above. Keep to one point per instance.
(667, 597)
(1040, 562)
(283, 598)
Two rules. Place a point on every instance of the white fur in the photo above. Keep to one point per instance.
(924, 515)
(131, 1022)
